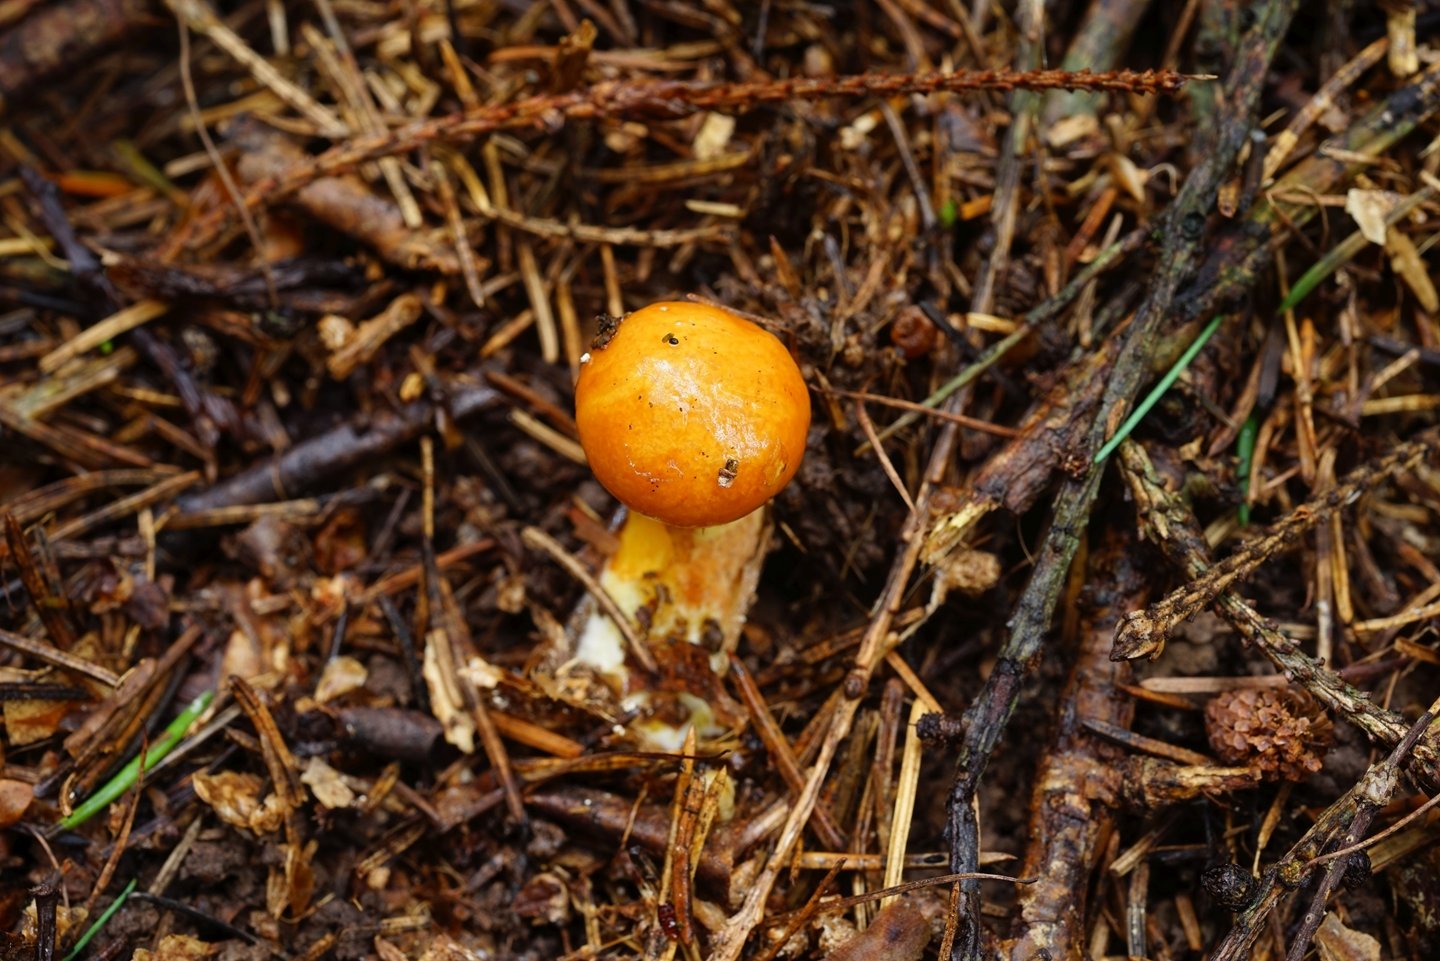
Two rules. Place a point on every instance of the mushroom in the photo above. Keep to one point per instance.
(690, 414)
(694, 418)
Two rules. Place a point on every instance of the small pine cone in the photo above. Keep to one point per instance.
(1280, 732)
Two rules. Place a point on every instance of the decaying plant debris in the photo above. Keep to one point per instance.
(294, 296)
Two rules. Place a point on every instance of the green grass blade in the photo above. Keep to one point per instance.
(100, 922)
(126, 777)
(1244, 459)
(1342, 252)
(1346, 249)
(1165, 383)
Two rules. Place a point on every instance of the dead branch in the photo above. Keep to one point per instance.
(666, 100)
(1143, 633)
(1182, 228)
(1077, 782)
(327, 455)
(1169, 523)
(1341, 824)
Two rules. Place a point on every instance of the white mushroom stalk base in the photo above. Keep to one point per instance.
(687, 592)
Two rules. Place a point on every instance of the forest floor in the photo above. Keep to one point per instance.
(293, 299)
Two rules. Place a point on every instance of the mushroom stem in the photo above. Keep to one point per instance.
(682, 585)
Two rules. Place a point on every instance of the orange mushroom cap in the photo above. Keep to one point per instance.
(691, 414)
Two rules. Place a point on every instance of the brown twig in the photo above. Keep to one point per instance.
(974, 423)
(1143, 633)
(54, 610)
(1342, 824)
(358, 441)
(670, 99)
(449, 642)
(47, 898)
(1077, 780)
(779, 748)
(1182, 227)
(207, 410)
(730, 941)
(1168, 522)
(47, 654)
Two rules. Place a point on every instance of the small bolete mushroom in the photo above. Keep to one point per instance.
(694, 418)
(690, 414)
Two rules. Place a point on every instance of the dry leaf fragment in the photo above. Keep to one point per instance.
(15, 798)
(446, 948)
(1339, 943)
(899, 933)
(243, 657)
(335, 331)
(235, 797)
(177, 947)
(544, 899)
(387, 951)
(1067, 130)
(1369, 208)
(28, 721)
(292, 882)
(852, 137)
(327, 784)
(482, 674)
(1128, 177)
(713, 137)
(67, 920)
(341, 676)
(330, 594)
